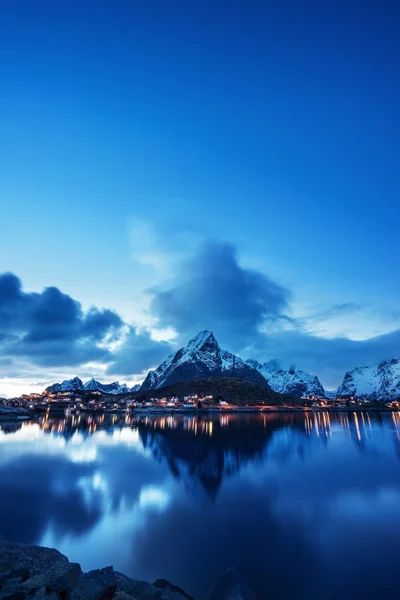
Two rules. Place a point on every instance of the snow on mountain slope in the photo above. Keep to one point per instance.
(74, 385)
(379, 383)
(202, 357)
(294, 382)
(107, 388)
(68, 385)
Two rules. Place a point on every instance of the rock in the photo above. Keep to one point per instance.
(5, 576)
(45, 594)
(59, 578)
(166, 585)
(35, 573)
(142, 590)
(16, 595)
(230, 586)
(13, 595)
(22, 572)
(12, 590)
(34, 560)
(100, 584)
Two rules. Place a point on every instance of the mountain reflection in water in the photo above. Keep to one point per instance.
(304, 505)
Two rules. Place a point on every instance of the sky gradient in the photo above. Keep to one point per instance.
(187, 165)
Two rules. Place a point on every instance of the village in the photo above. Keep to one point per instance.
(94, 401)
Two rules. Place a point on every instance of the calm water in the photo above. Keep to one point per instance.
(304, 506)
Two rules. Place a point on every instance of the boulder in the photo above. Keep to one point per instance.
(230, 586)
(142, 590)
(100, 584)
(59, 578)
(169, 587)
(22, 572)
(44, 594)
(33, 560)
(12, 590)
(5, 576)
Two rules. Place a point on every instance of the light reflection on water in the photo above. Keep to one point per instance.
(305, 505)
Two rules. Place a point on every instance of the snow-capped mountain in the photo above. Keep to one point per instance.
(294, 382)
(331, 394)
(135, 388)
(76, 385)
(379, 383)
(202, 357)
(106, 388)
(68, 385)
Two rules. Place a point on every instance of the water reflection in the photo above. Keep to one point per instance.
(305, 505)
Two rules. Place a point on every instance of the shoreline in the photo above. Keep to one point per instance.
(37, 572)
(29, 572)
(17, 417)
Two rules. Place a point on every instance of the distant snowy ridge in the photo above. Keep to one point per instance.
(201, 358)
(380, 383)
(76, 385)
(294, 382)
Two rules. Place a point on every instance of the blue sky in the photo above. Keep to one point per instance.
(144, 142)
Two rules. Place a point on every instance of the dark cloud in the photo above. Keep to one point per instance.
(138, 353)
(327, 358)
(212, 291)
(50, 328)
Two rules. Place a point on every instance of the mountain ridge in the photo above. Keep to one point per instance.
(201, 358)
(378, 382)
(76, 385)
(294, 382)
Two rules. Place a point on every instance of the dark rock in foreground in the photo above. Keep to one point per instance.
(59, 578)
(166, 585)
(230, 586)
(26, 561)
(100, 584)
(36, 573)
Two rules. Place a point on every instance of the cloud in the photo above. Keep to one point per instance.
(212, 290)
(147, 246)
(50, 327)
(209, 290)
(138, 353)
(5, 362)
(337, 309)
(329, 358)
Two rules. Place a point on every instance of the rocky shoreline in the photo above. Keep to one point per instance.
(38, 573)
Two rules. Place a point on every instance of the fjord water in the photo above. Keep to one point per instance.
(304, 505)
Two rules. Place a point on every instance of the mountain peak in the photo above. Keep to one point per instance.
(202, 339)
(292, 381)
(380, 382)
(201, 358)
